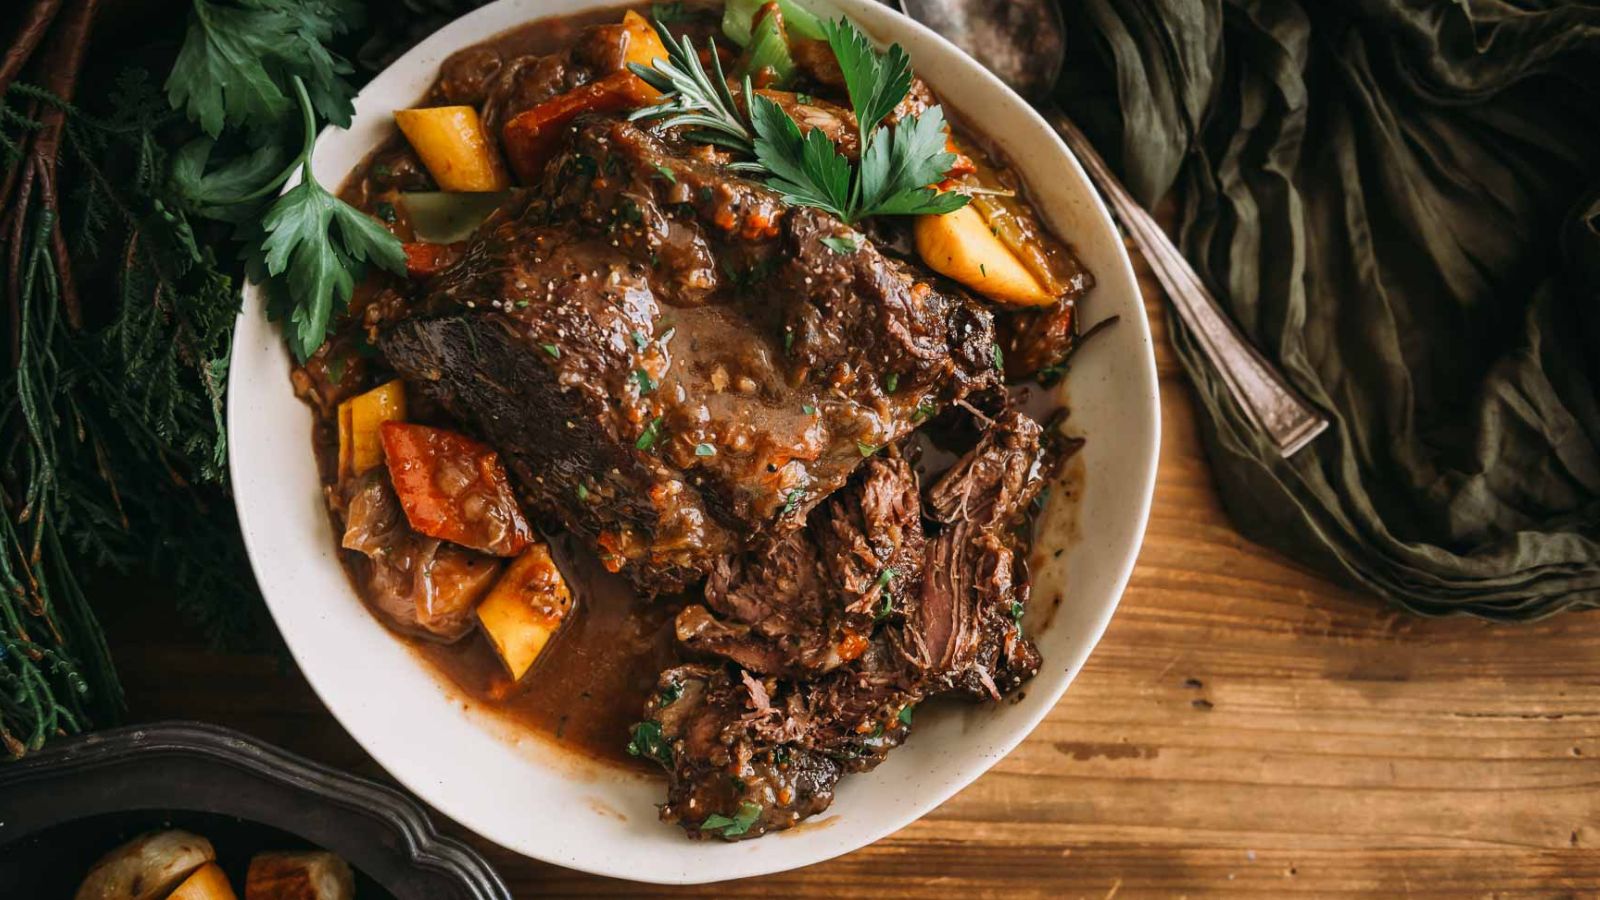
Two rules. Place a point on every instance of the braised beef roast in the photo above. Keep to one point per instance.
(673, 362)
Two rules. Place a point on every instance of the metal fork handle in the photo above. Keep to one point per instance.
(1259, 389)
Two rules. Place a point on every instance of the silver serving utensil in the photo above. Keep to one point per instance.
(1023, 42)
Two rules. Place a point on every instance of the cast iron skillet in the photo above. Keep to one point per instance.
(65, 806)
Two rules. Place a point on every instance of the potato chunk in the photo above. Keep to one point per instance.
(360, 417)
(205, 883)
(644, 45)
(147, 867)
(316, 875)
(960, 245)
(524, 608)
(452, 144)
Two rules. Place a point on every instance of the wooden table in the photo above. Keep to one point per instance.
(1244, 728)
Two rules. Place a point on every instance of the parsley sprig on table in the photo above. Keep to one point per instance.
(248, 68)
(897, 165)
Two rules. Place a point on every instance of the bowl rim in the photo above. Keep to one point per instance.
(884, 24)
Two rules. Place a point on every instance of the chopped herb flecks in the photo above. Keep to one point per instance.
(746, 816)
(808, 409)
(583, 492)
(646, 740)
(639, 340)
(1016, 612)
(891, 382)
(999, 359)
(704, 450)
(668, 174)
(924, 411)
(648, 438)
(905, 713)
(552, 349)
(646, 385)
(670, 694)
(866, 449)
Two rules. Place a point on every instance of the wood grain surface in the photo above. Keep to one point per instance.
(1245, 728)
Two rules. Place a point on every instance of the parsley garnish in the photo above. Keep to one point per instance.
(898, 166)
(670, 694)
(552, 349)
(891, 382)
(924, 411)
(746, 816)
(639, 340)
(704, 450)
(808, 409)
(646, 384)
(866, 449)
(999, 359)
(667, 173)
(648, 438)
(1016, 611)
(646, 739)
(583, 492)
(905, 713)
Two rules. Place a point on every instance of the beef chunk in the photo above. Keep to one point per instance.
(805, 602)
(676, 366)
(966, 630)
(733, 769)
(746, 755)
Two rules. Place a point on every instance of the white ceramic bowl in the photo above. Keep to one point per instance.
(536, 799)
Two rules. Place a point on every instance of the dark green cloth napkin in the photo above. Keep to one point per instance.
(1399, 201)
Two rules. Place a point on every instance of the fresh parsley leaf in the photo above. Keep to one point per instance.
(875, 82)
(704, 450)
(646, 383)
(667, 173)
(808, 409)
(866, 449)
(552, 349)
(808, 169)
(999, 359)
(639, 341)
(1016, 611)
(223, 192)
(900, 163)
(670, 694)
(740, 822)
(583, 492)
(924, 411)
(233, 67)
(842, 243)
(906, 713)
(891, 382)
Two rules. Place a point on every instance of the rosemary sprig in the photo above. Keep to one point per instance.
(695, 99)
